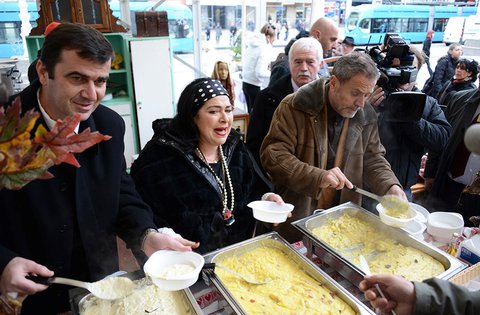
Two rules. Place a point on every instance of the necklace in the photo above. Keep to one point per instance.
(227, 213)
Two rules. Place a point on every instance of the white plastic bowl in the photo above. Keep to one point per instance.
(270, 211)
(164, 259)
(442, 225)
(422, 213)
(415, 228)
(392, 221)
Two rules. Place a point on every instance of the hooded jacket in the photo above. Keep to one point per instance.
(294, 152)
(256, 61)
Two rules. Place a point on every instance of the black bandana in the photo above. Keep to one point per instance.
(208, 89)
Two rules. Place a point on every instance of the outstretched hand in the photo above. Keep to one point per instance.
(399, 292)
(157, 241)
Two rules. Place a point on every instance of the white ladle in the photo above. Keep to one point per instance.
(110, 288)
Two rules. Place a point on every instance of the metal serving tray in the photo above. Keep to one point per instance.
(342, 264)
(273, 240)
(78, 296)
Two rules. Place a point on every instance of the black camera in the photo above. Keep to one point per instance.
(395, 61)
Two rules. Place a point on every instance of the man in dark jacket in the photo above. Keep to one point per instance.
(406, 142)
(448, 171)
(305, 59)
(67, 226)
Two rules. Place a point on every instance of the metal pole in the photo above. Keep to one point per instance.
(156, 5)
(318, 10)
(197, 38)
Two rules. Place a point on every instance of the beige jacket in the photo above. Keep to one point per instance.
(294, 152)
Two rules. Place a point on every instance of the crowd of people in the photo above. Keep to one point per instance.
(316, 129)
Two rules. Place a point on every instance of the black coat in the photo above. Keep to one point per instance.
(69, 223)
(444, 71)
(451, 87)
(460, 112)
(406, 142)
(183, 192)
(266, 103)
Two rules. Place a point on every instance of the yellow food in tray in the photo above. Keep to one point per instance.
(147, 297)
(290, 291)
(352, 237)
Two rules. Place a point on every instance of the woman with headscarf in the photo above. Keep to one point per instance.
(466, 71)
(196, 173)
(221, 72)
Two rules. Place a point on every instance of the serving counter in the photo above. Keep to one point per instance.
(323, 264)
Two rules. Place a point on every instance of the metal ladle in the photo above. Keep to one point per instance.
(248, 279)
(110, 288)
(387, 201)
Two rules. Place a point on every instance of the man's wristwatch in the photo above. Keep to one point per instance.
(145, 234)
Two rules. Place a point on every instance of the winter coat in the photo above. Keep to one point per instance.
(294, 152)
(183, 192)
(444, 71)
(406, 142)
(256, 61)
(460, 112)
(441, 297)
(69, 223)
(266, 103)
(451, 87)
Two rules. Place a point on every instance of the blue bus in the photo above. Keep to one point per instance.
(10, 28)
(180, 22)
(369, 23)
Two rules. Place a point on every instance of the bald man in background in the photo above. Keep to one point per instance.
(325, 30)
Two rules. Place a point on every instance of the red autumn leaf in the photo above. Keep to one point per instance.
(63, 141)
(23, 159)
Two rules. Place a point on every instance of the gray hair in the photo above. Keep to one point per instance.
(355, 63)
(306, 43)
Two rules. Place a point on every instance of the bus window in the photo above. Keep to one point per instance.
(440, 24)
(9, 33)
(179, 28)
(364, 25)
(379, 25)
(420, 25)
(352, 21)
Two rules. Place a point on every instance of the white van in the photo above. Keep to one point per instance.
(471, 28)
(454, 30)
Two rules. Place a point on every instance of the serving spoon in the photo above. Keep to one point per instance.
(110, 288)
(387, 201)
(247, 279)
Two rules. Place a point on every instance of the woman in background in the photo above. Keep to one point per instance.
(197, 175)
(221, 72)
(256, 64)
(466, 71)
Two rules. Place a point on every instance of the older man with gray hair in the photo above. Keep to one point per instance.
(305, 59)
(324, 138)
